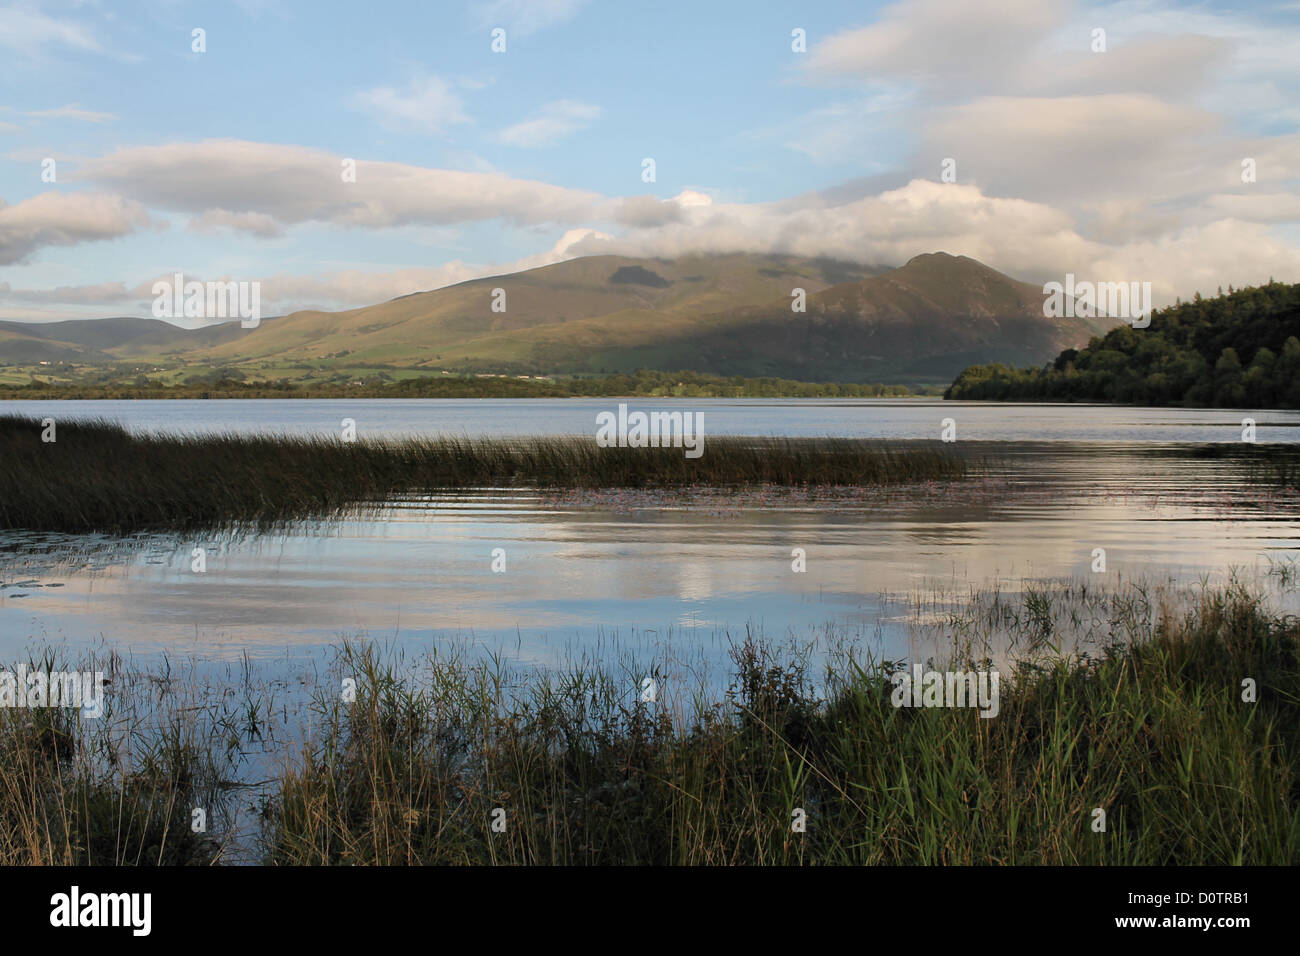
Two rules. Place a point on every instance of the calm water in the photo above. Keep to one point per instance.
(586, 572)
(881, 418)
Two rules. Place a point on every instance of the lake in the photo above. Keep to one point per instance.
(595, 575)
(871, 418)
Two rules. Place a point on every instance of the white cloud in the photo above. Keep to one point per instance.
(522, 17)
(62, 219)
(647, 212)
(1131, 143)
(1253, 207)
(283, 293)
(550, 124)
(357, 287)
(1028, 240)
(693, 197)
(72, 112)
(253, 223)
(427, 104)
(101, 293)
(1033, 241)
(28, 32)
(939, 44)
(224, 181)
(1126, 162)
(1070, 149)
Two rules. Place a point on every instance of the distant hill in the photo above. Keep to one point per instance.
(718, 314)
(1240, 350)
(103, 340)
(23, 343)
(585, 315)
(922, 322)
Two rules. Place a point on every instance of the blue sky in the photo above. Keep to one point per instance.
(1122, 163)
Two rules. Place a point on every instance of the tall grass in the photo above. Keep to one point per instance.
(1151, 728)
(119, 789)
(98, 477)
(1271, 463)
(1155, 733)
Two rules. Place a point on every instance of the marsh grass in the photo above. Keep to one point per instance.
(1147, 722)
(120, 789)
(98, 477)
(1151, 727)
(1271, 463)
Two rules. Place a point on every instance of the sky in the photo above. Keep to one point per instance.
(1134, 141)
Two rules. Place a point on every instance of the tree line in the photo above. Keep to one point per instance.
(1240, 349)
(644, 383)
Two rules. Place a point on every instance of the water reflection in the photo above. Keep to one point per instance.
(583, 567)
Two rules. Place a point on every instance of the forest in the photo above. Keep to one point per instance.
(1239, 349)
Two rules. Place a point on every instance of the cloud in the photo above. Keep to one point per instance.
(72, 112)
(428, 104)
(939, 44)
(1034, 241)
(1253, 207)
(1130, 142)
(647, 212)
(28, 32)
(282, 293)
(357, 287)
(61, 219)
(224, 182)
(253, 223)
(354, 287)
(550, 124)
(1067, 160)
(522, 17)
(1069, 149)
(101, 293)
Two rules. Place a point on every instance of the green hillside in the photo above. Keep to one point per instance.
(1237, 350)
(726, 315)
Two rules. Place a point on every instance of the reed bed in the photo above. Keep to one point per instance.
(1149, 724)
(98, 477)
(1152, 730)
(1273, 463)
(121, 788)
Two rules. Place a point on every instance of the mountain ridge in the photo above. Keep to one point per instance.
(722, 314)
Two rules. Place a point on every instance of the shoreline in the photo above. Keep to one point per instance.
(438, 761)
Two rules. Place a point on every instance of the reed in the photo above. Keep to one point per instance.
(96, 476)
(1153, 731)
(575, 768)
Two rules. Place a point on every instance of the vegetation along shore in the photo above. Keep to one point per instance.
(452, 762)
(1236, 350)
(96, 476)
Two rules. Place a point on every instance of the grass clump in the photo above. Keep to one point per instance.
(98, 477)
(118, 789)
(450, 762)
(1152, 729)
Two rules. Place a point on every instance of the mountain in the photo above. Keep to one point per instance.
(95, 341)
(581, 315)
(21, 343)
(723, 314)
(923, 322)
(1240, 350)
